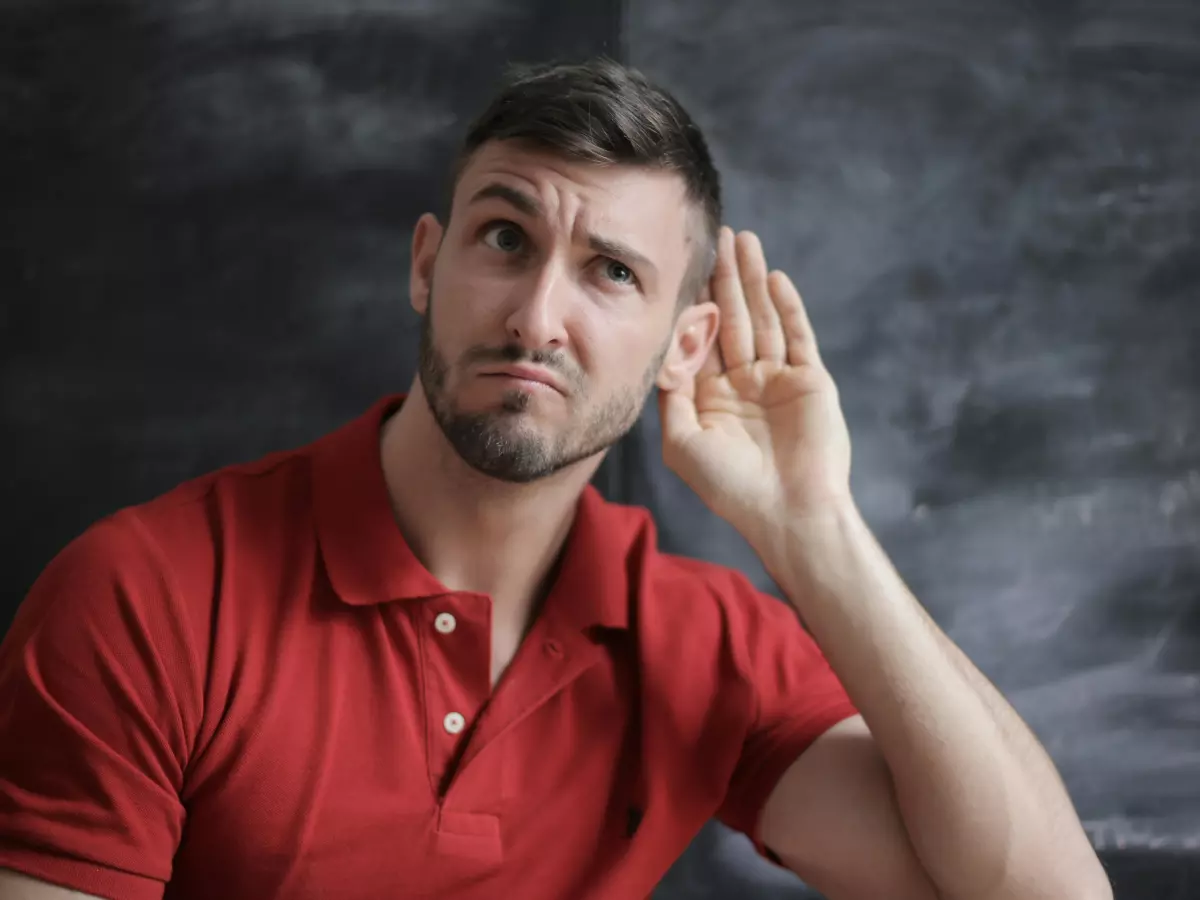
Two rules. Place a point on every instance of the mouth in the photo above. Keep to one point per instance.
(530, 377)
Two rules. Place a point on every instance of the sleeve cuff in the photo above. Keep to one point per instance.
(790, 749)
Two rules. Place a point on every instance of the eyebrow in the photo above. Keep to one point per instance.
(522, 201)
(532, 207)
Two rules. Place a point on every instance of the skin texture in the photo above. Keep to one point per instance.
(519, 279)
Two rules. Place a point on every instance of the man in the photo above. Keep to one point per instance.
(422, 657)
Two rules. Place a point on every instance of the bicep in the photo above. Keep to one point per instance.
(833, 820)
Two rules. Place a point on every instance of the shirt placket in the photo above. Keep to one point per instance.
(456, 662)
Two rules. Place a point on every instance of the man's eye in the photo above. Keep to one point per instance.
(503, 236)
(619, 272)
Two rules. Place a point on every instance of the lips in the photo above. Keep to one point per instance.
(534, 374)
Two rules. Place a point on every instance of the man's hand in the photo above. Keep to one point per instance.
(758, 434)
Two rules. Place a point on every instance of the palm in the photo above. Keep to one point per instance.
(760, 428)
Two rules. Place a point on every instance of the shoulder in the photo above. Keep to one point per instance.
(254, 493)
(158, 562)
(694, 605)
(683, 586)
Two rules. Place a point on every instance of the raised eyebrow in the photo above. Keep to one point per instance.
(530, 206)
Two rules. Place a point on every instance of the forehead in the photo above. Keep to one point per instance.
(620, 201)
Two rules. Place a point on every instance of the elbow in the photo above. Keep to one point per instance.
(1084, 882)
(1090, 878)
(1097, 885)
(1063, 870)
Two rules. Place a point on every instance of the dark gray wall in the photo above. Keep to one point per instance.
(992, 208)
(993, 212)
(205, 223)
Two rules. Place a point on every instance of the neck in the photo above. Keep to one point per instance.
(472, 532)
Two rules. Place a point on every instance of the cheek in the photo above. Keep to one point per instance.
(465, 307)
(618, 356)
(481, 287)
(468, 277)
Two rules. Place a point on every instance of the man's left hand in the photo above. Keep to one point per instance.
(759, 434)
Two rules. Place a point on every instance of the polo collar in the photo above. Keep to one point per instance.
(368, 561)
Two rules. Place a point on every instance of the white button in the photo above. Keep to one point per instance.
(445, 623)
(454, 722)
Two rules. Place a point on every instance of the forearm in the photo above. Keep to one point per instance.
(982, 802)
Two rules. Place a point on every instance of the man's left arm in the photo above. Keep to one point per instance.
(939, 790)
(968, 788)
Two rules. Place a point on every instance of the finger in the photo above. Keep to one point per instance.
(799, 337)
(736, 336)
(764, 318)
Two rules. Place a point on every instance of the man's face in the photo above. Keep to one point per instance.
(549, 271)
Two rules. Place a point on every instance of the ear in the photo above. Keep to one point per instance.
(691, 344)
(427, 237)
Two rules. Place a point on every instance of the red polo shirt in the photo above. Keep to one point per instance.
(250, 688)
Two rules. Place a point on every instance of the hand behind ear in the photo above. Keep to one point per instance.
(753, 425)
(693, 352)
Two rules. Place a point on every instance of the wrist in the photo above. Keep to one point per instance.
(815, 547)
(800, 529)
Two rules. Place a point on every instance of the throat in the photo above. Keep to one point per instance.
(504, 649)
(511, 624)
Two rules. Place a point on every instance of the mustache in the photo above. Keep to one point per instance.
(512, 354)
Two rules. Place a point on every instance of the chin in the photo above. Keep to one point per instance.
(505, 399)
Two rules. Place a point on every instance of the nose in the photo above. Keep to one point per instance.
(538, 316)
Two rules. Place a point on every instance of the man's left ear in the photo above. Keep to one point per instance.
(692, 341)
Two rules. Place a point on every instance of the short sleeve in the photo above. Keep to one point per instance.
(98, 697)
(799, 697)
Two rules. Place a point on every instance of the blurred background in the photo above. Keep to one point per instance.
(991, 207)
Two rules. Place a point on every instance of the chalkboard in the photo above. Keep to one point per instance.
(993, 212)
(206, 219)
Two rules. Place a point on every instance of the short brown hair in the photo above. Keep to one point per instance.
(603, 112)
